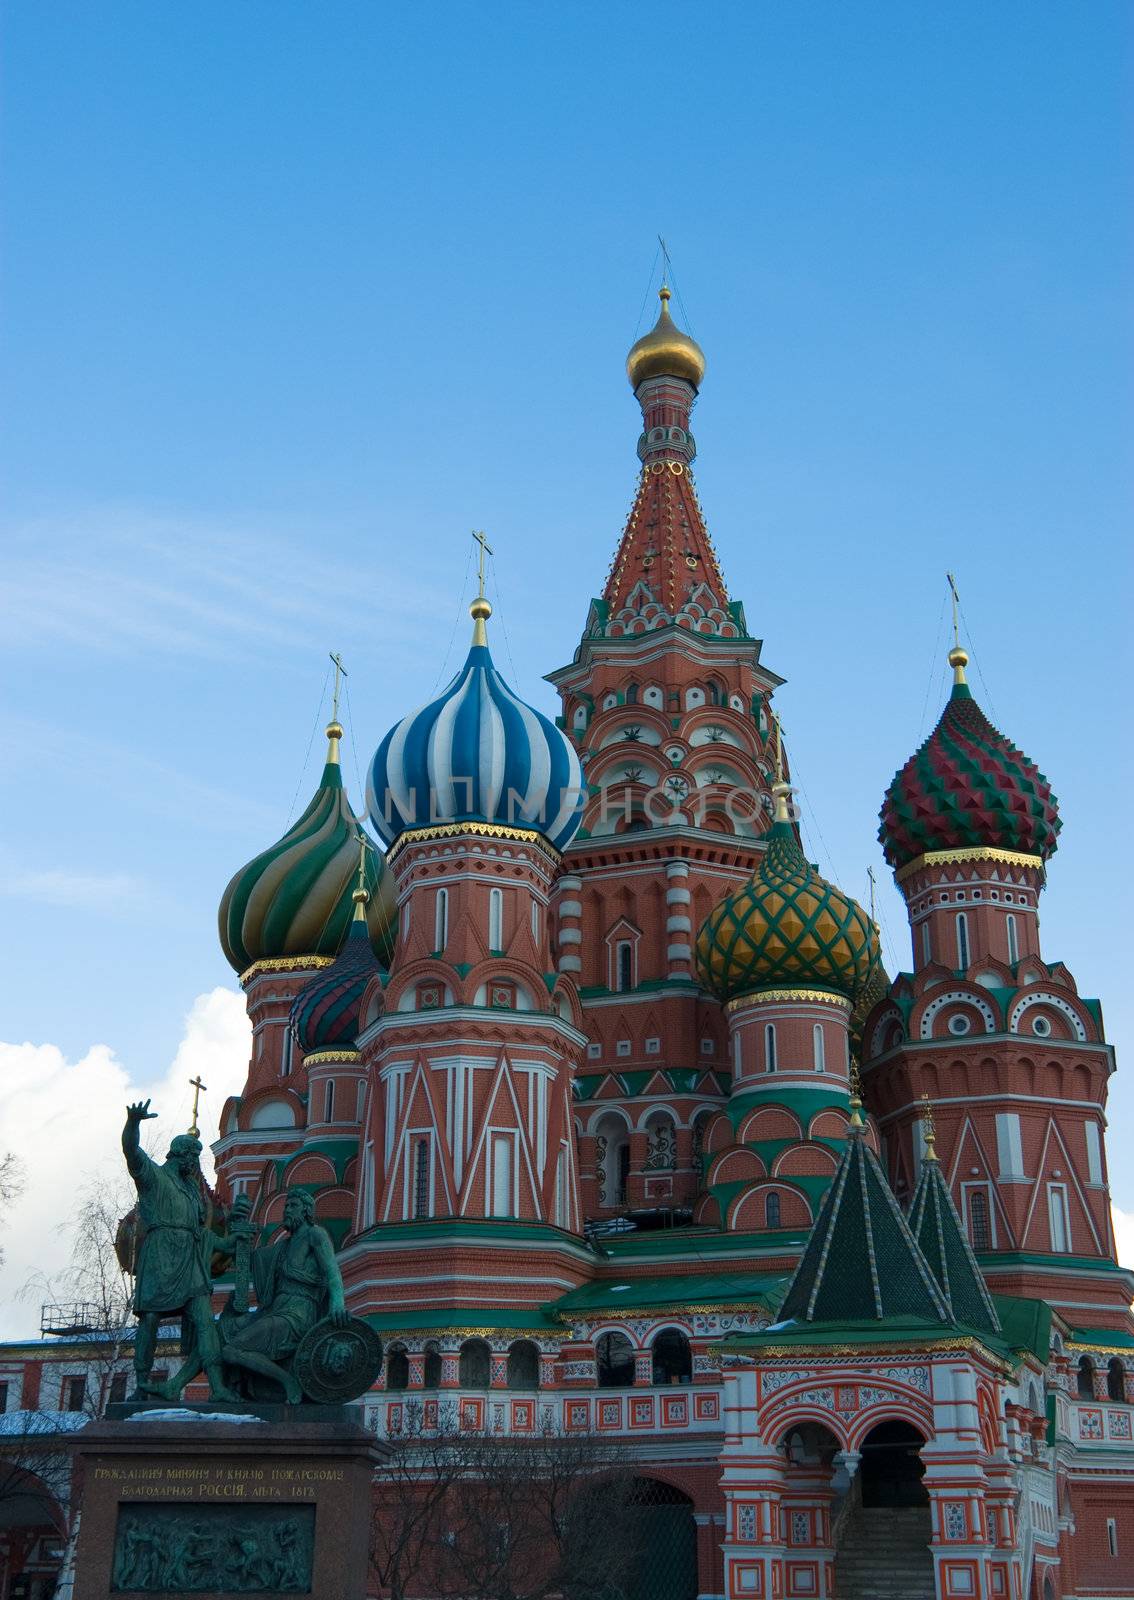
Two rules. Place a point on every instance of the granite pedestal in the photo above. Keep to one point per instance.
(213, 1506)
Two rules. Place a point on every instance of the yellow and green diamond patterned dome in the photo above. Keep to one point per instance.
(787, 927)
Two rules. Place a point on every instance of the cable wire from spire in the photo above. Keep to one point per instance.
(934, 665)
(649, 287)
(456, 623)
(974, 654)
(310, 742)
(354, 751)
(500, 614)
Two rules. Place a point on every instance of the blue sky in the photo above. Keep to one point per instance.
(295, 295)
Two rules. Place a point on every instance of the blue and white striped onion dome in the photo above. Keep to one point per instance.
(476, 753)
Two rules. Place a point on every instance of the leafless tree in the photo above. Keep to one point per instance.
(498, 1517)
(423, 1465)
(11, 1183)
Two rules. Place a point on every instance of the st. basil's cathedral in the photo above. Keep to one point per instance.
(620, 1127)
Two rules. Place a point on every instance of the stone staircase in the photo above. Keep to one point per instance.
(884, 1555)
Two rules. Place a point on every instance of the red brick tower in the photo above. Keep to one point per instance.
(668, 704)
(467, 1193)
(995, 1035)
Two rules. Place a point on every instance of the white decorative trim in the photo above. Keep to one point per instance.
(955, 997)
(1046, 999)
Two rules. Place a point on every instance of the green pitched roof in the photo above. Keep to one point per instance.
(941, 1237)
(1025, 1324)
(861, 1260)
(621, 1294)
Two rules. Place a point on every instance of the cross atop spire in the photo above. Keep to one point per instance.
(340, 674)
(958, 657)
(480, 610)
(197, 1087)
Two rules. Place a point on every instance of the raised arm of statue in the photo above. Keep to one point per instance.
(138, 1162)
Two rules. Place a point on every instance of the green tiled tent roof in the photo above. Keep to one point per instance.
(941, 1237)
(861, 1260)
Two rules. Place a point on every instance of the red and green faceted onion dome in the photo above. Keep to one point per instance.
(295, 899)
(787, 927)
(968, 787)
(327, 1012)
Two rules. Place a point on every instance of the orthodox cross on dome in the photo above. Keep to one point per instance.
(197, 1087)
(956, 599)
(480, 610)
(340, 674)
(871, 881)
(485, 549)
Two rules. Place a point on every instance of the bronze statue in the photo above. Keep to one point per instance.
(172, 1268)
(301, 1336)
(298, 1284)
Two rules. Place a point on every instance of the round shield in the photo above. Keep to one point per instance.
(338, 1364)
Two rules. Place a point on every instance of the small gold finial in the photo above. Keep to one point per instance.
(958, 660)
(361, 895)
(930, 1152)
(780, 792)
(196, 1085)
(480, 610)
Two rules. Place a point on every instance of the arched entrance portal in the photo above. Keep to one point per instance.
(666, 1542)
(892, 1468)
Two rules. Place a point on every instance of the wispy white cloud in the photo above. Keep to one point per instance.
(64, 1118)
(112, 581)
(109, 892)
(155, 787)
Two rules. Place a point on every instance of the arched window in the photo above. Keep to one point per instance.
(496, 919)
(431, 1375)
(818, 1047)
(1085, 1378)
(625, 958)
(1115, 1380)
(672, 1359)
(475, 1367)
(397, 1368)
(772, 1211)
(406, 920)
(770, 1047)
(535, 920)
(962, 941)
(614, 1361)
(926, 944)
(421, 1178)
(441, 920)
(523, 1365)
(329, 1101)
(631, 694)
(1013, 941)
(979, 1230)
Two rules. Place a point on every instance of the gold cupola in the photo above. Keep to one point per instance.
(665, 352)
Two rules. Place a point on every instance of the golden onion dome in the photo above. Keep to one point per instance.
(787, 927)
(665, 352)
